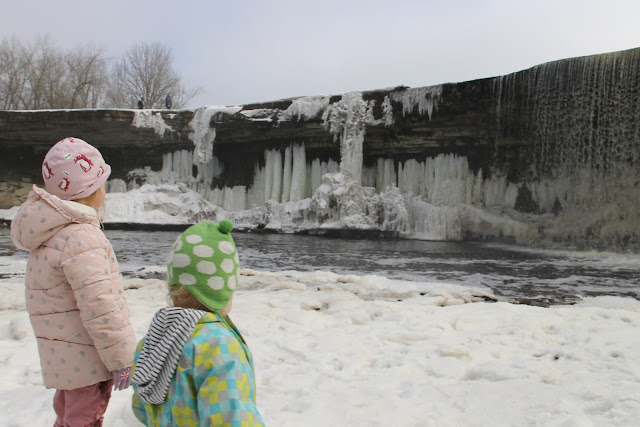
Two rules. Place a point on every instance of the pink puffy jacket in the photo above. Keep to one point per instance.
(74, 292)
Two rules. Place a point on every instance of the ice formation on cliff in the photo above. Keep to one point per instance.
(147, 119)
(305, 108)
(440, 198)
(425, 98)
(347, 120)
(203, 134)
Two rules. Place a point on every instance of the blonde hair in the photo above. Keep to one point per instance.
(180, 297)
(90, 199)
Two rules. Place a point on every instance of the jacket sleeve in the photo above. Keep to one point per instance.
(103, 309)
(225, 384)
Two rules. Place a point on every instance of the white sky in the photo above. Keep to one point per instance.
(251, 51)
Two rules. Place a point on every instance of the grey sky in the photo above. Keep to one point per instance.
(250, 51)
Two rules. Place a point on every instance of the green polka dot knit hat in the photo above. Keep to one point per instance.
(204, 260)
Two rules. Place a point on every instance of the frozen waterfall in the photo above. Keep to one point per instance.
(439, 198)
(551, 155)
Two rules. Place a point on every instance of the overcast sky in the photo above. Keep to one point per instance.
(263, 50)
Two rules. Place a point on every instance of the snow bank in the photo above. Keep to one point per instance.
(158, 204)
(369, 351)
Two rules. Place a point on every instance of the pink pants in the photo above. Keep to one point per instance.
(83, 406)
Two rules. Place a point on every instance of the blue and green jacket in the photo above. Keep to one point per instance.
(212, 382)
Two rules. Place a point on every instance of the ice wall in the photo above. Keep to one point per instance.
(285, 177)
(445, 200)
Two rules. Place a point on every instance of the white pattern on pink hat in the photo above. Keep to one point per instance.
(73, 169)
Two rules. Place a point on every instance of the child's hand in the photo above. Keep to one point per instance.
(121, 379)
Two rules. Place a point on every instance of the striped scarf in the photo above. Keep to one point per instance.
(169, 331)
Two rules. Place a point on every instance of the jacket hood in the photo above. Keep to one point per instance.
(169, 331)
(42, 215)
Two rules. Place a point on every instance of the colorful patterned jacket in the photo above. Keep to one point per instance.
(212, 383)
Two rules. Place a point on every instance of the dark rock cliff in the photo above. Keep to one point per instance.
(26, 136)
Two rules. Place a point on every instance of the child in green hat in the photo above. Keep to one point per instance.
(193, 367)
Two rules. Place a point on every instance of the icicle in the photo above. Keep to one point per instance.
(308, 189)
(207, 172)
(411, 178)
(347, 120)
(388, 175)
(369, 176)
(276, 181)
(298, 174)
(256, 194)
(380, 175)
(316, 174)
(387, 112)
(426, 98)
(116, 186)
(268, 175)
(286, 176)
(234, 198)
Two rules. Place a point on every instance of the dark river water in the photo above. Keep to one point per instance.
(525, 275)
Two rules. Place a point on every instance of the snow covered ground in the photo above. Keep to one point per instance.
(355, 351)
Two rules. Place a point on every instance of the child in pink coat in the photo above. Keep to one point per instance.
(74, 291)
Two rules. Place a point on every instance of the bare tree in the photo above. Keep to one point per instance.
(14, 60)
(38, 75)
(87, 76)
(146, 70)
(46, 76)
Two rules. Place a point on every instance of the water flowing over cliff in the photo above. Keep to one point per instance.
(548, 155)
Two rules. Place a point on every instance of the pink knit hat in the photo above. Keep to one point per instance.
(73, 169)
